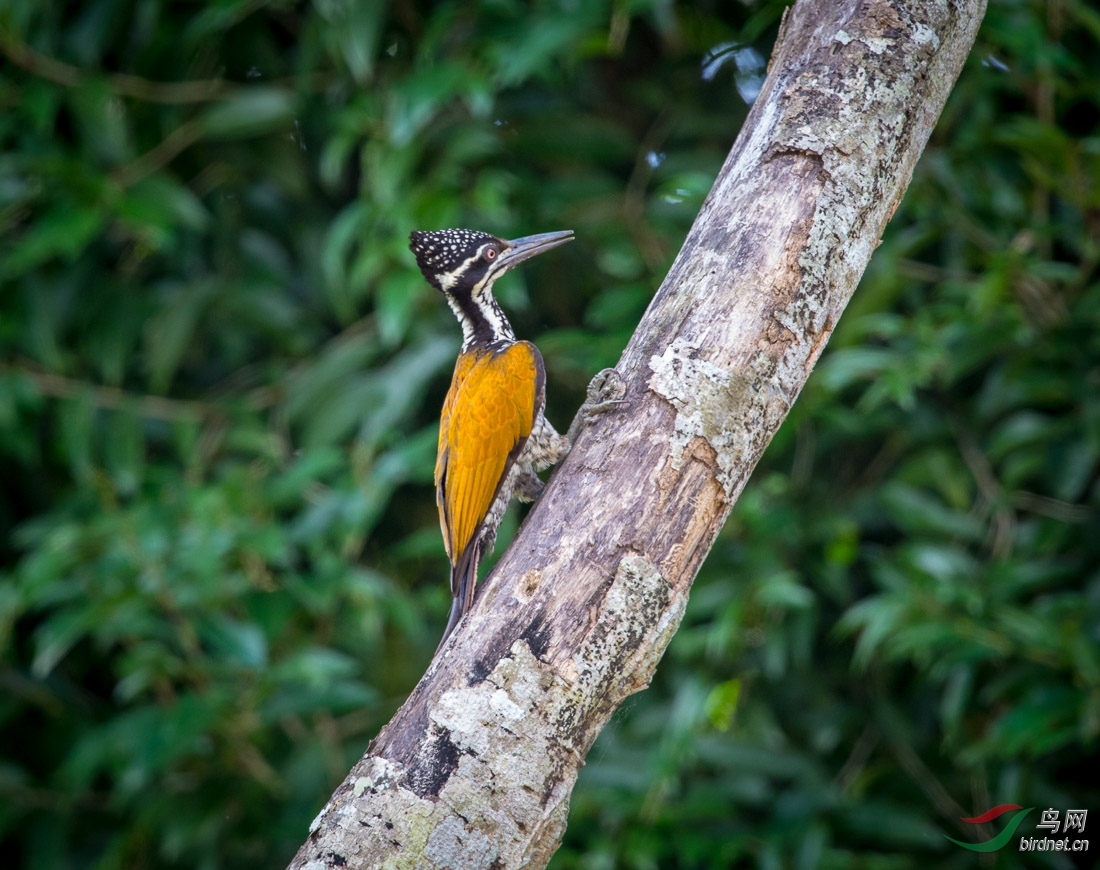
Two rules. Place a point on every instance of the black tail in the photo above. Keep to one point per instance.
(463, 585)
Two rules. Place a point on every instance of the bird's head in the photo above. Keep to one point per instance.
(467, 262)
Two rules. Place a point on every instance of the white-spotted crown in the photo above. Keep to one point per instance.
(442, 254)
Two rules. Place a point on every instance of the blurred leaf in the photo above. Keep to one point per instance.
(918, 512)
(158, 204)
(250, 112)
(355, 29)
(236, 641)
(722, 704)
(170, 333)
(60, 232)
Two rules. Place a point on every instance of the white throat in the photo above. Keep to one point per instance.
(481, 319)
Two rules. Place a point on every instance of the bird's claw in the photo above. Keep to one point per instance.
(607, 390)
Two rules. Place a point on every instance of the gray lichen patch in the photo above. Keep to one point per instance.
(609, 662)
(379, 773)
(498, 726)
(711, 403)
(452, 844)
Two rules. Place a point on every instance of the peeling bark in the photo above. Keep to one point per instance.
(476, 769)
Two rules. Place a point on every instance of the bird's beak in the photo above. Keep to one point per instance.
(527, 247)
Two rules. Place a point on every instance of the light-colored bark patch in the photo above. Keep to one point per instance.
(709, 402)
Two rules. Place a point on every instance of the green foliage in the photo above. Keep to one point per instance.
(220, 374)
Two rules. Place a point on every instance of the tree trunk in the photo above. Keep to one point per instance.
(476, 769)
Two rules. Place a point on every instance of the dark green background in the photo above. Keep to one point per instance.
(220, 373)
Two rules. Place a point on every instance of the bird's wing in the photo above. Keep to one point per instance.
(487, 417)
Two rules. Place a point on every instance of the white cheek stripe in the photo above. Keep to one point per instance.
(447, 280)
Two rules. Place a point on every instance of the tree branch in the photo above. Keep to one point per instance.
(476, 769)
(69, 76)
(138, 88)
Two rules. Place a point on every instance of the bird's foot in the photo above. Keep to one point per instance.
(606, 391)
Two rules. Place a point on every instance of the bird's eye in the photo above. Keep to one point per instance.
(490, 253)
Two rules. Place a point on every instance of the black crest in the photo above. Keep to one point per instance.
(442, 252)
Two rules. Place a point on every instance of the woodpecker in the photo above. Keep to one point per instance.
(493, 435)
